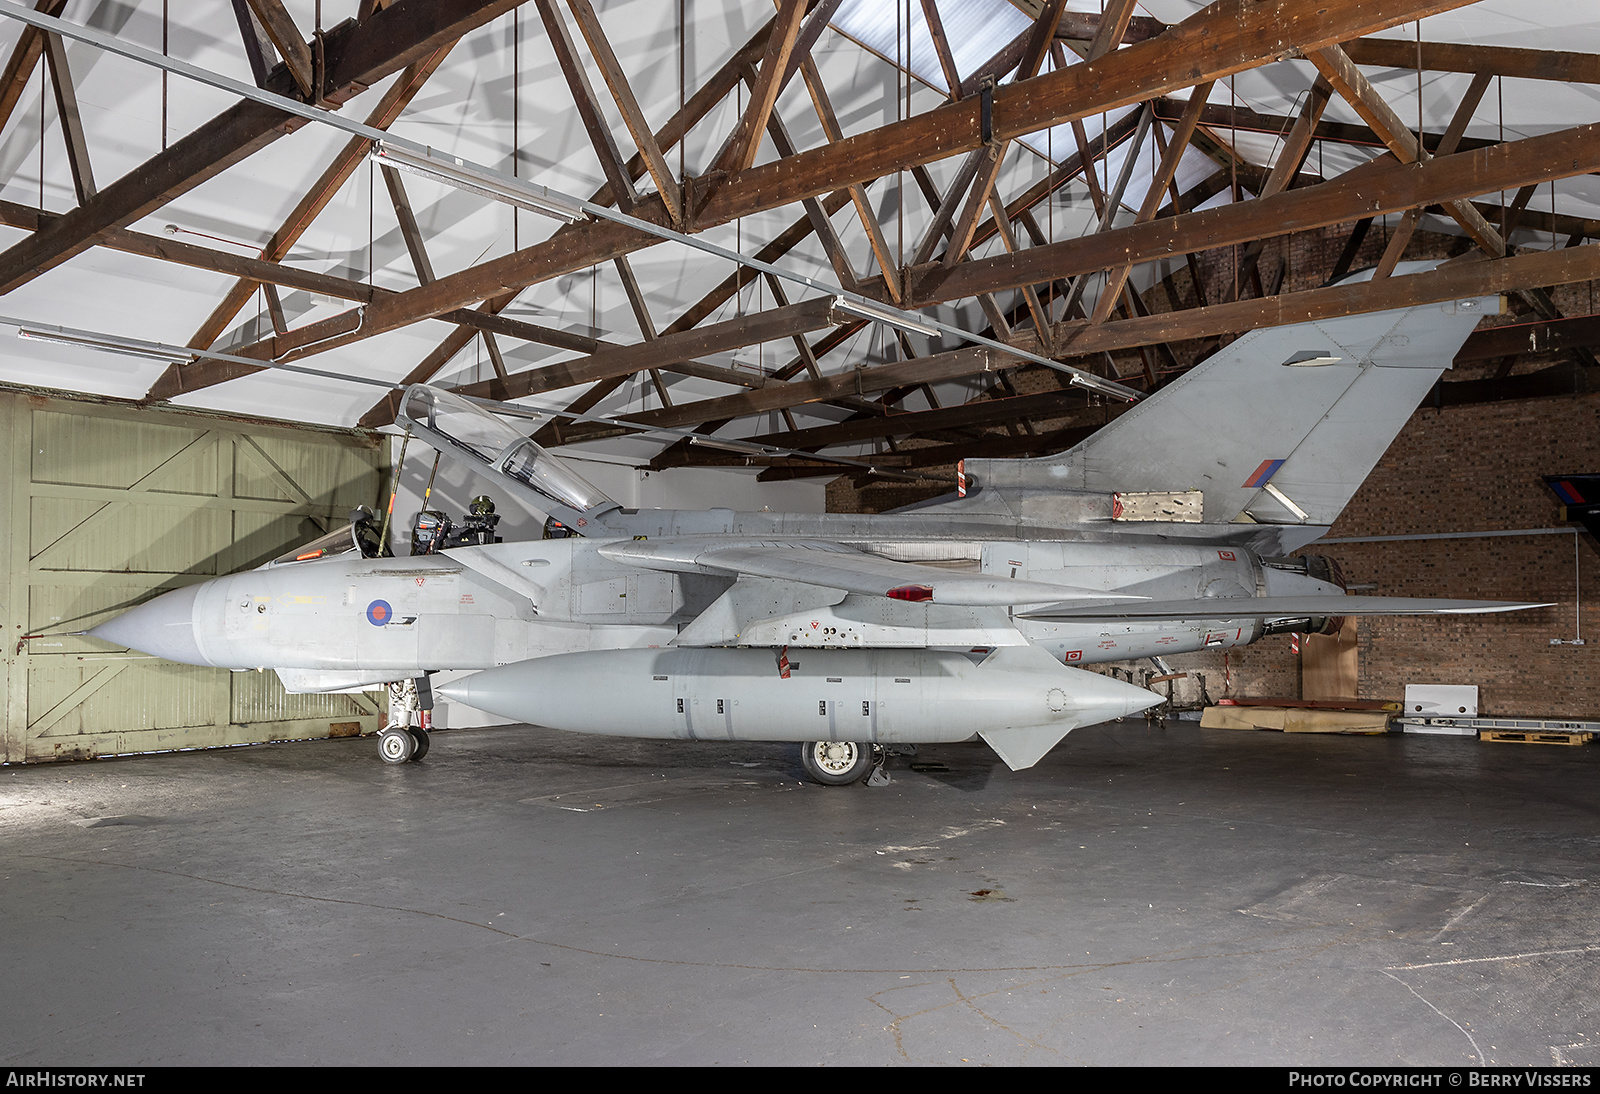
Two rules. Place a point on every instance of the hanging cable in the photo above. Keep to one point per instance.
(516, 119)
(165, 24)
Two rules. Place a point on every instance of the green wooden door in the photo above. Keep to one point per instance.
(109, 505)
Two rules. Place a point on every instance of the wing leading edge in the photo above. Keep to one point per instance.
(837, 566)
(1274, 607)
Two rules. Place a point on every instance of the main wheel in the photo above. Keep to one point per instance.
(420, 736)
(836, 763)
(396, 745)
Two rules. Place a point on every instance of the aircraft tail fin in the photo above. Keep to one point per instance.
(1280, 427)
(1580, 499)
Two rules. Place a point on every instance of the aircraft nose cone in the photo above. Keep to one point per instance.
(163, 627)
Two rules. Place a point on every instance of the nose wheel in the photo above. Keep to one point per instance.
(396, 745)
(401, 741)
(836, 763)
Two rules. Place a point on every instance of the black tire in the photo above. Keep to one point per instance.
(395, 745)
(420, 736)
(836, 763)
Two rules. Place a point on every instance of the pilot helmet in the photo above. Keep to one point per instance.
(482, 506)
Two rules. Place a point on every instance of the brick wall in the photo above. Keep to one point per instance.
(1479, 468)
(1461, 469)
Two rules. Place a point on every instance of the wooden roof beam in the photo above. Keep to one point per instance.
(168, 249)
(357, 56)
(941, 46)
(668, 351)
(992, 157)
(288, 41)
(977, 412)
(858, 193)
(1374, 191)
(1399, 53)
(594, 122)
(1527, 64)
(409, 231)
(741, 151)
(701, 310)
(417, 248)
(1228, 36)
(1083, 26)
(821, 223)
(323, 191)
(1342, 72)
(698, 105)
(258, 48)
(24, 58)
(1108, 205)
(989, 446)
(260, 272)
(934, 368)
(1296, 146)
(71, 121)
(1454, 281)
(1546, 336)
(641, 315)
(1164, 174)
(1337, 67)
(1408, 223)
(816, 21)
(644, 138)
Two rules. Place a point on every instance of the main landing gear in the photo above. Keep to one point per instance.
(836, 763)
(401, 741)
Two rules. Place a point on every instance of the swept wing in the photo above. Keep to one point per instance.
(1273, 607)
(838, 566)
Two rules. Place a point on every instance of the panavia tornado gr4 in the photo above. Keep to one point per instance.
(1172, 529)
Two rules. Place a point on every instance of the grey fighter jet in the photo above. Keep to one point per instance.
(1172, 529)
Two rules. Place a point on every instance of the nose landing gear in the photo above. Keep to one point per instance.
(400, 741)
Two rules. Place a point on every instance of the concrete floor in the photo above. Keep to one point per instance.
(1145, 895)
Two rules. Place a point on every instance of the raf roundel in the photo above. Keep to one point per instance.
(379, 613)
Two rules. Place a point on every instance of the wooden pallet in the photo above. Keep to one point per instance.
(1534, 737)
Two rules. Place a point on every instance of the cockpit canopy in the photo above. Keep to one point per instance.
(457, 425)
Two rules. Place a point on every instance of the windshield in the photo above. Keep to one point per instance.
(555, 480)
(336, 542)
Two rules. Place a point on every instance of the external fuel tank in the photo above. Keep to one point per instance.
(1017, 698)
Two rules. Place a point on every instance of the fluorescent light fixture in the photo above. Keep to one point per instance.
(888, 316)
(744, 448)
(107, 345)
(454, 171)
(1310, 358)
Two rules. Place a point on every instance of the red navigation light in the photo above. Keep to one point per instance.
(308, 555)
(910, 592)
